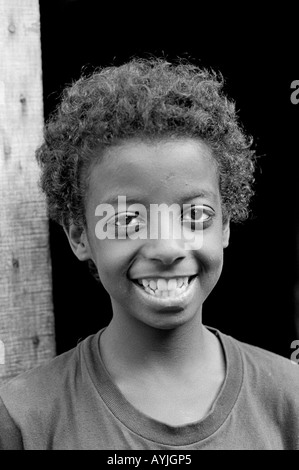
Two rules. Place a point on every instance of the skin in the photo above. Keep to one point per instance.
(170, 354)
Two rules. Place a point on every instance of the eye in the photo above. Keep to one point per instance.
(197, 217)
(127, 222)
(125, 219)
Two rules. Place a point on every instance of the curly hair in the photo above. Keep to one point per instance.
(145, 99)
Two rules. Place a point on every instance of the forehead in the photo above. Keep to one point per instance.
(151, 172)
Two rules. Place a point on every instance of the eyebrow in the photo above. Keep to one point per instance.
(113, 198)
(200, 194)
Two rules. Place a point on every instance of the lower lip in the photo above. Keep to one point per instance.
(171, 303)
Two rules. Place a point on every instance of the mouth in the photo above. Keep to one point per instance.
(165, 287)
(169, 292)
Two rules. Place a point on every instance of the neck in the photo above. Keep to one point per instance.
(129, 345)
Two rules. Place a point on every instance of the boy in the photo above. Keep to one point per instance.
(125, 142)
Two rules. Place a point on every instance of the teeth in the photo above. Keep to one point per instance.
(163, 287)
(162, 284)
(148, 290)
(172, 284)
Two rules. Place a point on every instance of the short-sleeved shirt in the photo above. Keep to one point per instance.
(72, 403)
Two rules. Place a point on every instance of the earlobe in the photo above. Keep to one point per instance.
(225, 233)
(78, 242)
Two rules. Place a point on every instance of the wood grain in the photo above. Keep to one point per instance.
(26, 311)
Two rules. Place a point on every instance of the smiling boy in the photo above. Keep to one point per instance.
(157, 134)
(145, 347)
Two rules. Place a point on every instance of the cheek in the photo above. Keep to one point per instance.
(210, 260)
(211, 252)
(111, 259)
(210, 267)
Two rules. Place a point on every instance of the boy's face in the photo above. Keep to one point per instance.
(177, 172)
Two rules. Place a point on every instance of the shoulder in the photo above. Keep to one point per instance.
(39, 404)
(46, 376)
(268, 398)
(269, 371)
(38, 387)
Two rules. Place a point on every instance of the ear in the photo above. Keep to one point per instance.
(225, 232)
(78, 241)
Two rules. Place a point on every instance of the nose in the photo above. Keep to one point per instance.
(164, 237)
(166, 251)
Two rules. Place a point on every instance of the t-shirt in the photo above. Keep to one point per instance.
(72, 403)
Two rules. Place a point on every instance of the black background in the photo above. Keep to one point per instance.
(256, 53)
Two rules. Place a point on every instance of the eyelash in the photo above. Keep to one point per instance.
(195, 224)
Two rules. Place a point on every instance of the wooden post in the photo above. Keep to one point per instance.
(26, 313)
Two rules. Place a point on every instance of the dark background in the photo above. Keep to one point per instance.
(254, 299)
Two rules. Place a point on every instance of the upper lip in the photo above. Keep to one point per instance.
(161, 276)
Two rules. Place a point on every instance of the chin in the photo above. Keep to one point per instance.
(169, 320)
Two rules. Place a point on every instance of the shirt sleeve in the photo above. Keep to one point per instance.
(10, 435)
